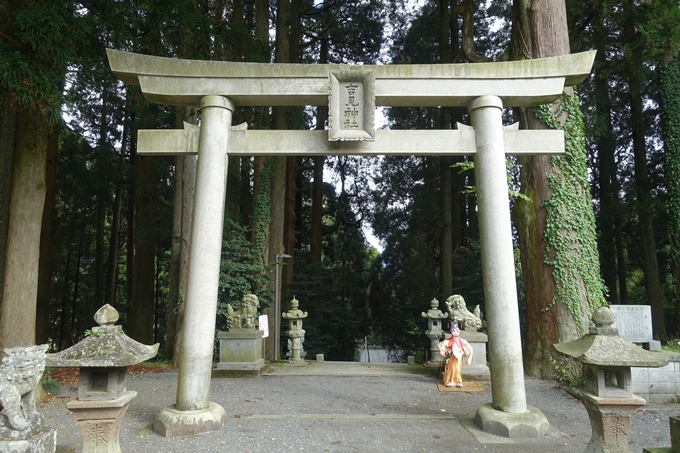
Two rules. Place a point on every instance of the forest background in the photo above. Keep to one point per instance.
(85, 221)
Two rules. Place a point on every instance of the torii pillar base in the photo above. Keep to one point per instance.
(529, 424)
(172, 423)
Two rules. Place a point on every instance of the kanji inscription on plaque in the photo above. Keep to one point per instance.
(351, 105)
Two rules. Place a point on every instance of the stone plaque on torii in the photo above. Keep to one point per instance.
(484, 88)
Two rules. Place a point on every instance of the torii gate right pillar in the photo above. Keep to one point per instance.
(508, 415)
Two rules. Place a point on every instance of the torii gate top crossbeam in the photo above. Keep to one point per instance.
(184, 82)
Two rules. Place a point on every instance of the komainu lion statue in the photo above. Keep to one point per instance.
(20, 371)
(244, 317)
(459, 313)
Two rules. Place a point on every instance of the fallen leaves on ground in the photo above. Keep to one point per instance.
(69, 376)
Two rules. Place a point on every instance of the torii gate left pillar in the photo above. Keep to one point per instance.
(193, 411)
(483, 88)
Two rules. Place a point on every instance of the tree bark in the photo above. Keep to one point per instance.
(188, 189)
(316, 227)
(606, 146)
(669, 88)
(545, 35)
(290, 217)
(175, 254)
(47, 241)
(445, 177)
(98, 299)
(112, 262)
(642, 184)
(8, 118)
(140, 311)
(18, 310)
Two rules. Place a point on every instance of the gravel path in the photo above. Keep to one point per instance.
(376, 411)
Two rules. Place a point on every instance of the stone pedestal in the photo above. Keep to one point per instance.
(44, 441)
(478, 370)
(241, 354)
(610, 419)
(529, 424)
(100, 421)
(172, 422)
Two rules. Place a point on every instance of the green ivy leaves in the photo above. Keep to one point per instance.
(570, 224)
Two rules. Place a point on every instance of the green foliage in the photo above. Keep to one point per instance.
(468, 165)
(570, 235)
(50, 385)
(567, 371)
(335, 296)
(672, 345)
(660, 28)
(93, 333)
(47, 36)
(240, 274)
(261, 214)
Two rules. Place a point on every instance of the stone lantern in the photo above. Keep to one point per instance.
(606, 394)
(295, 332)
(434, 332)
(103, 357)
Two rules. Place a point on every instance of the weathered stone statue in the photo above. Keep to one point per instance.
(20, 371)
(460, 314)
(21, 429)
(244, 317)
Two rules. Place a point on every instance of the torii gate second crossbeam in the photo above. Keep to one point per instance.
(352, 93)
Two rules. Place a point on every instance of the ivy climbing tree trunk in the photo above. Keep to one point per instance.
(561, 269)
(670, 112)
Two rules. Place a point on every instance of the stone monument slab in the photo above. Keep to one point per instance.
(634, 323)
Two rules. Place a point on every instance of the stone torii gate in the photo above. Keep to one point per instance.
(352, 92)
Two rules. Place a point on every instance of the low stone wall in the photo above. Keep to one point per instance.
(658, 385)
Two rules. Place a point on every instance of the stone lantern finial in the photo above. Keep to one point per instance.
(603, 318)
(106, 316)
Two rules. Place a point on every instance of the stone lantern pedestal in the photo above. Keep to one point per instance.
(295, 332)
(103, 359)
(434, 331)
(100, 421)
(607, 359)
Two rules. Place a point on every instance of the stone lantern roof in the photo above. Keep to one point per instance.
(106, 346)
(294, 312)
(604, 347)
(434, 312)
